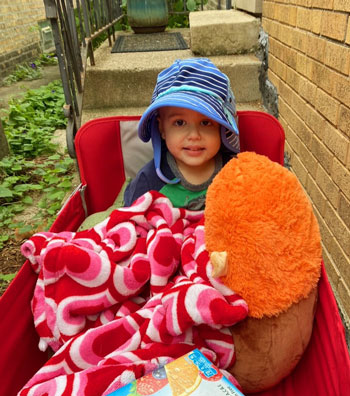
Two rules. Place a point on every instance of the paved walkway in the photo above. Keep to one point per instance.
(49, 73)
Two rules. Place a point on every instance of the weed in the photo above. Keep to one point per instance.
(34, 166)
(30, 71)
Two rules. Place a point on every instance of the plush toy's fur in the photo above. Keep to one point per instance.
(257, 211)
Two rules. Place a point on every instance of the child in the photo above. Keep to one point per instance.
(191, 121)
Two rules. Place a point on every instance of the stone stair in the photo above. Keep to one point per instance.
(122, 83)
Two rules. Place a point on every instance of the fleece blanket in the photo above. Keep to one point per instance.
(120, 299)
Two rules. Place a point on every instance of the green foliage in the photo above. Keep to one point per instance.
(30, 71)
(7, 277)
(32, 120)
(34, 172)
(182, 20)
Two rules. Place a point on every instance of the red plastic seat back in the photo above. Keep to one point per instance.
(100, 153)
(100, 161)
(262, 133)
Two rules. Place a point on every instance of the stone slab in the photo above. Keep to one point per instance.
(252, 6)
(132, 111)
(128, 79)
(223, 32)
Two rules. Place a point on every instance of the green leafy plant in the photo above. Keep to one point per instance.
(182, 20)
(34, 173)
(30, 71)
(32, 119)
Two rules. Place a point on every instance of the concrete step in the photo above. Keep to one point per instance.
(251, 6)
(131, 111)
(223, 32)
(128, 79)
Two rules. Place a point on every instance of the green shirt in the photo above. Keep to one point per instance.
(181, 197)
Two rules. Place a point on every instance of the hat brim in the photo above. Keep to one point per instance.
(202, 103)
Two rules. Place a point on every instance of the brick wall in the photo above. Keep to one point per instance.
(309, 64)
(19, 40)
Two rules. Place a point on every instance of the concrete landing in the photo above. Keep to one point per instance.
(223, 32)
(131, 111)
(128, 79)
(123, 83)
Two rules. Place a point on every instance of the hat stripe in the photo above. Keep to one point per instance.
(196, 84)
(213, 106)
(206, 76)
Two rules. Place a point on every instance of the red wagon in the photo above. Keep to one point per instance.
(100, 146)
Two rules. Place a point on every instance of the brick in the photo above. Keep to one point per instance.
(341, 88)
(298, 125)
(316, 21)
(308, 159)
(334, 249)
(292, 78)
(300, 106)
(316, 47)
(344, 209)
(344, 120)
(278, 67)
(299, 39)
(289, 56)
(268, 9)
(304, 66)
(285, 93)
(316, 195)
(344, 294)
(338, 228)
(292, 139)
(347, 38)
(327, 106)
(336, 142)
(328, 187)
(342, 5)
(322, 76)
(333, 25)
(341, 176)
(315, 121)
(303, 18)
(275, 48)
(287, 14)
(286, 34)
(322, 153)
(299, 170)
(307, 89)
(325, 4)
(331, 269)
(270, 26)
(274, 79)
(337, 57)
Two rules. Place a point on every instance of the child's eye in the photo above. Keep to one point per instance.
(206, 122)
(179, 123)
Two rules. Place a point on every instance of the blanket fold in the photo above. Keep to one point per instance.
(130, 294)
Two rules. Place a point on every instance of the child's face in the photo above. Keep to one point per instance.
(192, 138)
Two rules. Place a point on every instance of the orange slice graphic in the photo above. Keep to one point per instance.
(182, 376)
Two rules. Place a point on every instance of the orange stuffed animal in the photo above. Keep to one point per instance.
(264, 242)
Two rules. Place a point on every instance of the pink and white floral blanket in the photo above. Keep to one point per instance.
(118, 300)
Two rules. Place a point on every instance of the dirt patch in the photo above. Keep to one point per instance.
(11, 261)
(49, 73)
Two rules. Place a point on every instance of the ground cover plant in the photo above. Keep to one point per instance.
(35, 174)
(30, 71)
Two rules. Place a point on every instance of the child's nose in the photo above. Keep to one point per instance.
(194, 132)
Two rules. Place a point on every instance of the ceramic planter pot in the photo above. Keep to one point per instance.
(147, 16)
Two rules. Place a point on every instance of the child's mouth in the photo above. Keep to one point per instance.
(194, 151)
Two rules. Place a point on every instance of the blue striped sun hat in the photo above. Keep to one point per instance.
(195, 84)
